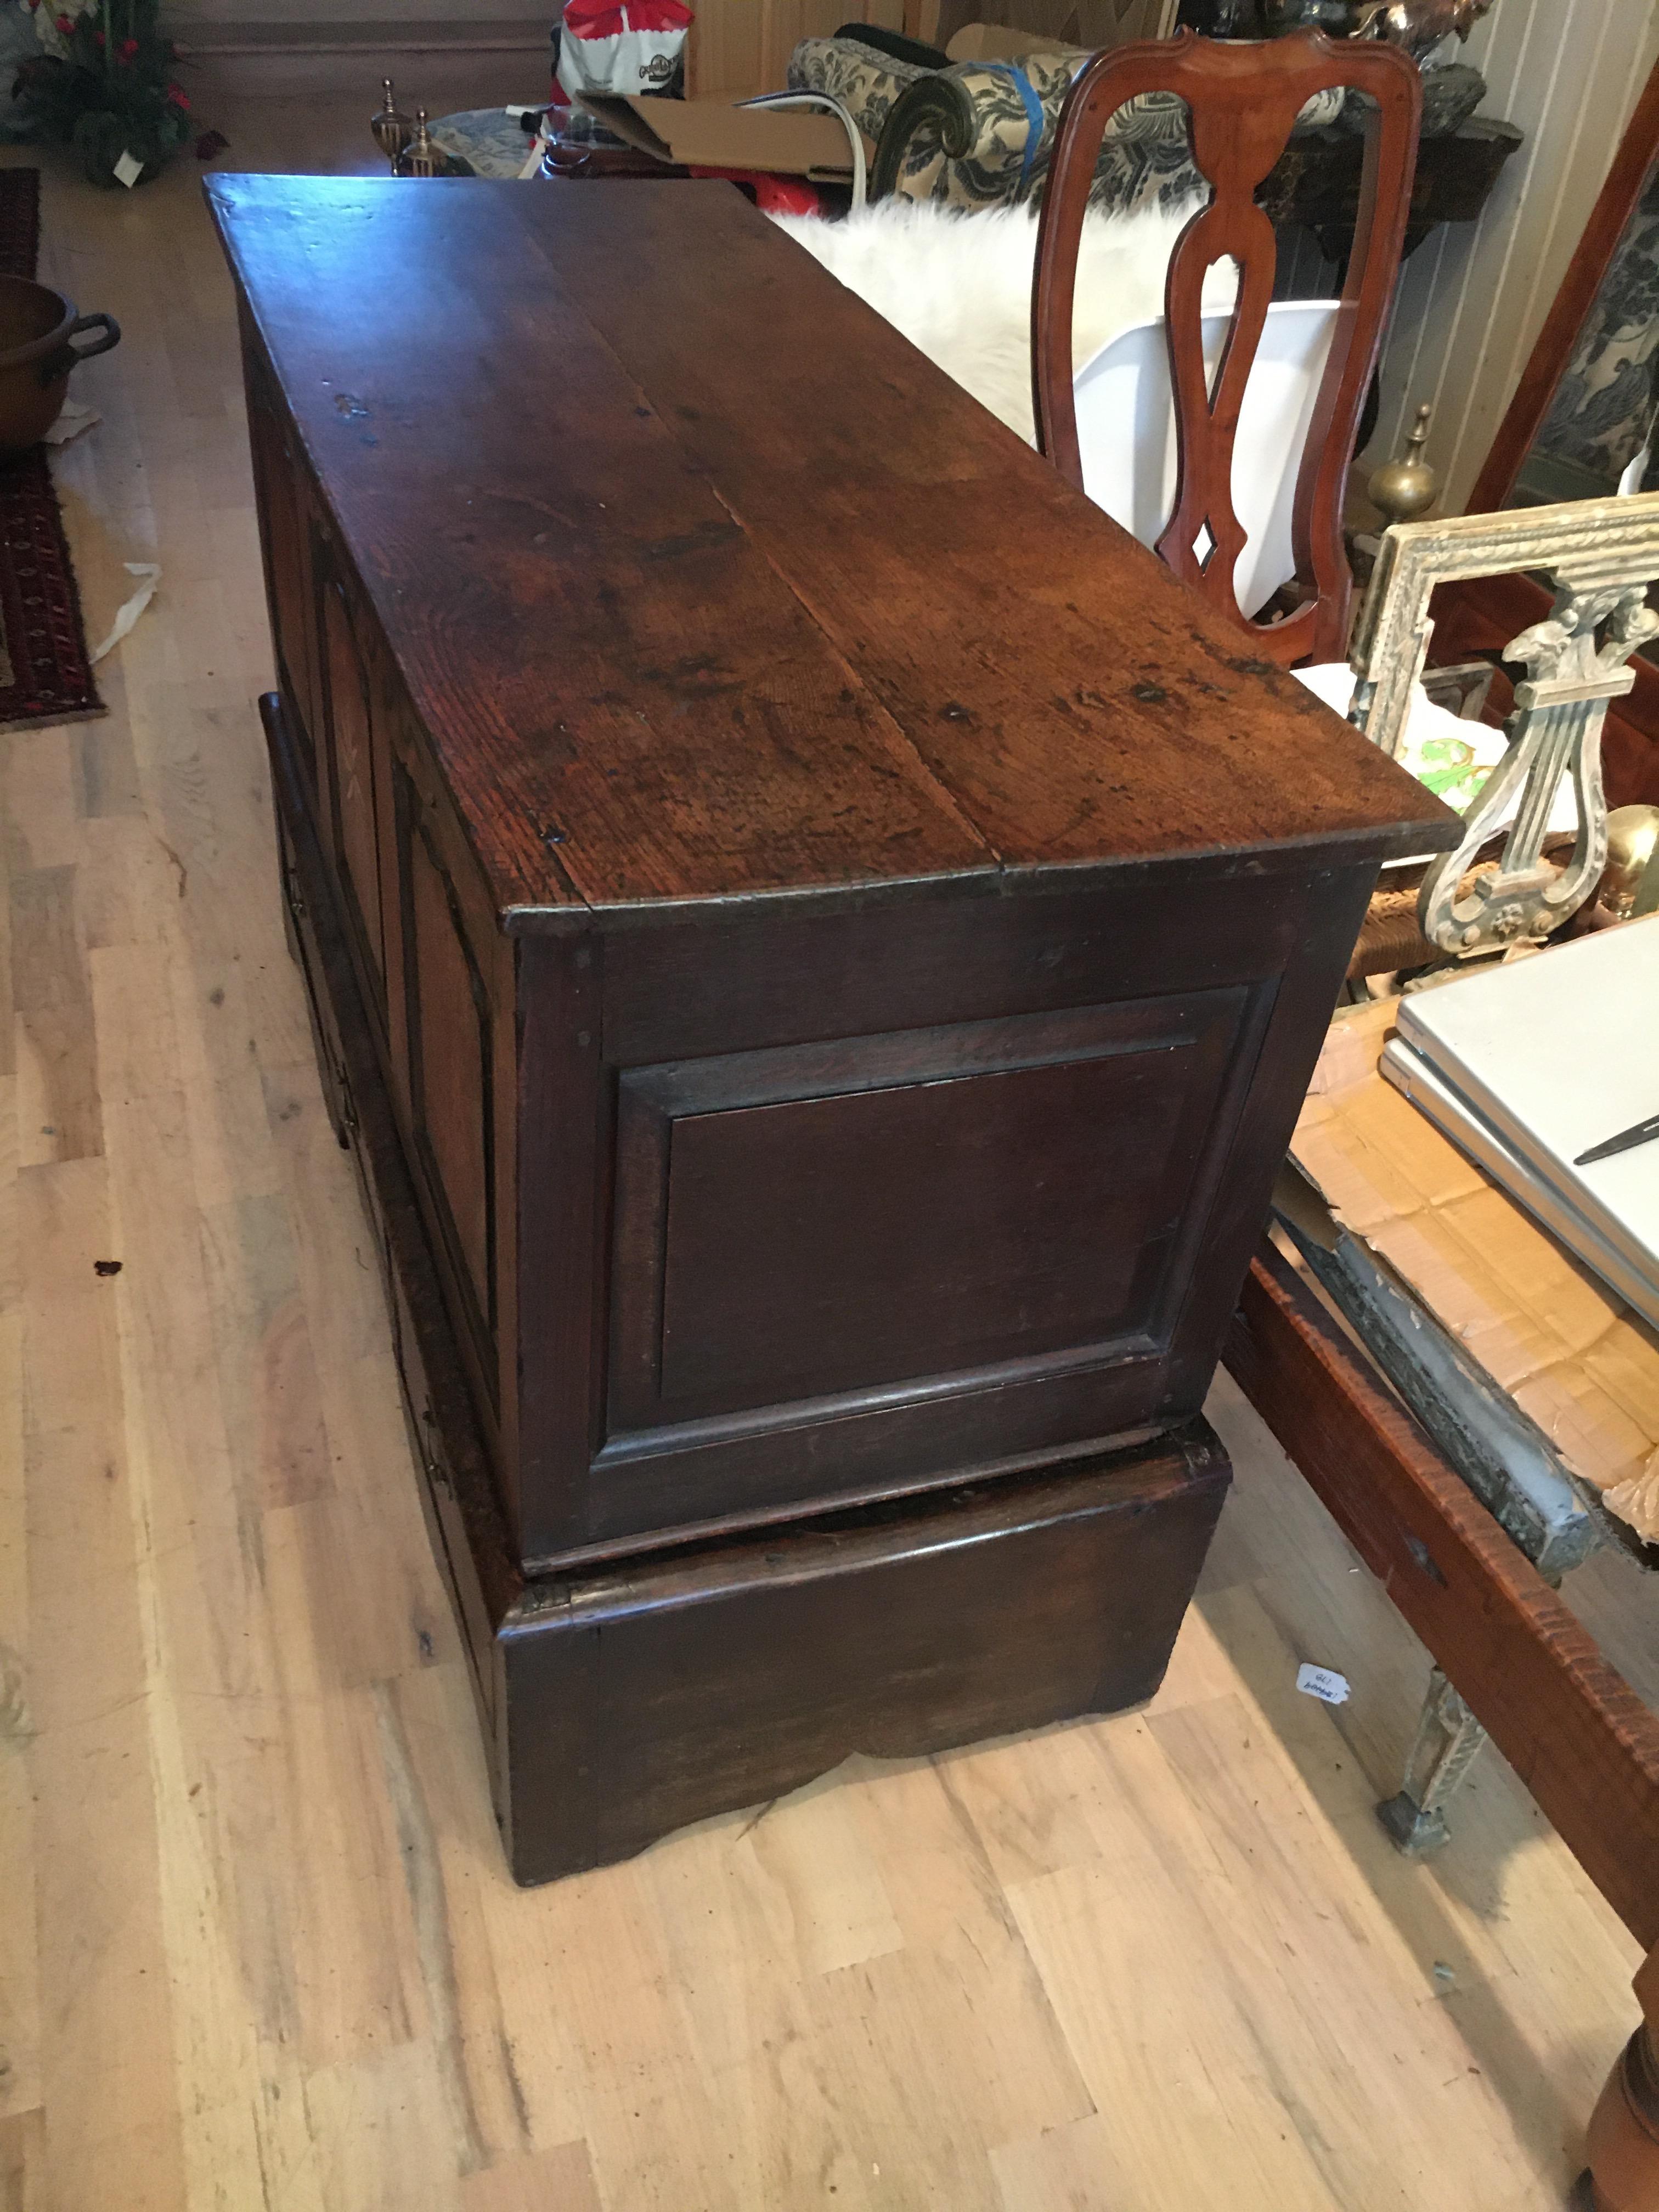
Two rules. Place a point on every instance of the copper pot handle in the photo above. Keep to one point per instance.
(62, 362)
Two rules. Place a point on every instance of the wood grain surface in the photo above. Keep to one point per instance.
(691, 611)
(1585, 1744)
(257, 1946)
(1243, 98)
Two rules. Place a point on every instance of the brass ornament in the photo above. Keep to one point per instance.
(1404, 489)
(1630, 885)
(391, 128)
(1420, 25)
(420, 158)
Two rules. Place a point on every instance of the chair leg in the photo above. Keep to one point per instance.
(1623, 2144)
(1448, 1737)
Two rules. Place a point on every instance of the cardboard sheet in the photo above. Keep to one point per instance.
(995, 42)
(1048, 30)
(1574, 1358)
(711, 134)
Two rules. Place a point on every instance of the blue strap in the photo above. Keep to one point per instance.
(1033, 107)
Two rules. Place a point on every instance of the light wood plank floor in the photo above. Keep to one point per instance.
(256, 1945)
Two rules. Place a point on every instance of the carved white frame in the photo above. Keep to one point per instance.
(1600, 555)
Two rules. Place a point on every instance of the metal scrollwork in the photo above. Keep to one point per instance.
(1576, 663)
(1602, 555)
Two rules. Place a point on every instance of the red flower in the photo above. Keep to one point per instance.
(178, 98)
(98, 36)
(129, 48)
(66, 24)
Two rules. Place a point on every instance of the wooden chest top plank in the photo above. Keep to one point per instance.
(707, 585)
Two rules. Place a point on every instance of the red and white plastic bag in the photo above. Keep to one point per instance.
(623, 51)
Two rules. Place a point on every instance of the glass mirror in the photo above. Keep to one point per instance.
(1584, 406)
(1597, 435)
(1582, 425)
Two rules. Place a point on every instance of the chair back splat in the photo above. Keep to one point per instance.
(1244, 100)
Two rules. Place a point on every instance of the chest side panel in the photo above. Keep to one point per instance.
(821, 1220)
(820, 1247)
(287, 522)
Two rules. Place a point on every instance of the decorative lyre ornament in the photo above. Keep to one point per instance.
(392, 127)
(1602, 555)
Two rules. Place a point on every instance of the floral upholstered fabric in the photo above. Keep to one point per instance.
(483, 142)
(1604, 404)
(1144, 161)
(866, 82)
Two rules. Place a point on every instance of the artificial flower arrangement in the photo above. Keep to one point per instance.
(103, 83)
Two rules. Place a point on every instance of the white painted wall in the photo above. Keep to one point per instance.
(1472, 300)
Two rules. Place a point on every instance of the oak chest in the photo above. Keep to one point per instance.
(817, 942)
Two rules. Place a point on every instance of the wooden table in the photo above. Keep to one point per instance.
(1483, 1600)
(817, 941)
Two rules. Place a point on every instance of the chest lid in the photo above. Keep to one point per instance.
(706, 585)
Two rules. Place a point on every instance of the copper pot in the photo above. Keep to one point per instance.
(36, 356)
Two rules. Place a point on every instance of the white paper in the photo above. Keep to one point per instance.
(1592, 1003)
(72, 419)
(128, 171)
(1322, 1682)
(132, 608)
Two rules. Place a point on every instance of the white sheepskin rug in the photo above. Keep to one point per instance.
(958, 284)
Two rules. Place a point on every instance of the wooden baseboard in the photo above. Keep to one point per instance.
(443, 64)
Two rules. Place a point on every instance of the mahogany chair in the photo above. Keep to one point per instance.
(1244, 100)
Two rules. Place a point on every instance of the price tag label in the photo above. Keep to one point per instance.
(1324, 1683)
(127, 171)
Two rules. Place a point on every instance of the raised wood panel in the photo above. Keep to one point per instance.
(451, 1068)
(800, 1222)
(285, 538)
(352, 747)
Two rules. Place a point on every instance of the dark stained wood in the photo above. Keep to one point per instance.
(351, 755)
(1317, 181)
(834, 1063)
(1523, 418)
(696, 1681)
(1243, 98)
(450, 1062)
(1004, 1193)
(471, 1536)
(562, 611)
(1576, 1734)
(619, 1706)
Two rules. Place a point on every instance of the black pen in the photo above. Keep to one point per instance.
(1626, 1141)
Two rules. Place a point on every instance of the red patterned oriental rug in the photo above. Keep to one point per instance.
(44, 673)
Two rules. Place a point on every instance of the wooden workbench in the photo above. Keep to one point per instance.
(1476, 1283)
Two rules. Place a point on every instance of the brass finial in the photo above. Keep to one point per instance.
(392, 127)
(1401, 490)
(420, 158)
(1631, 883)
